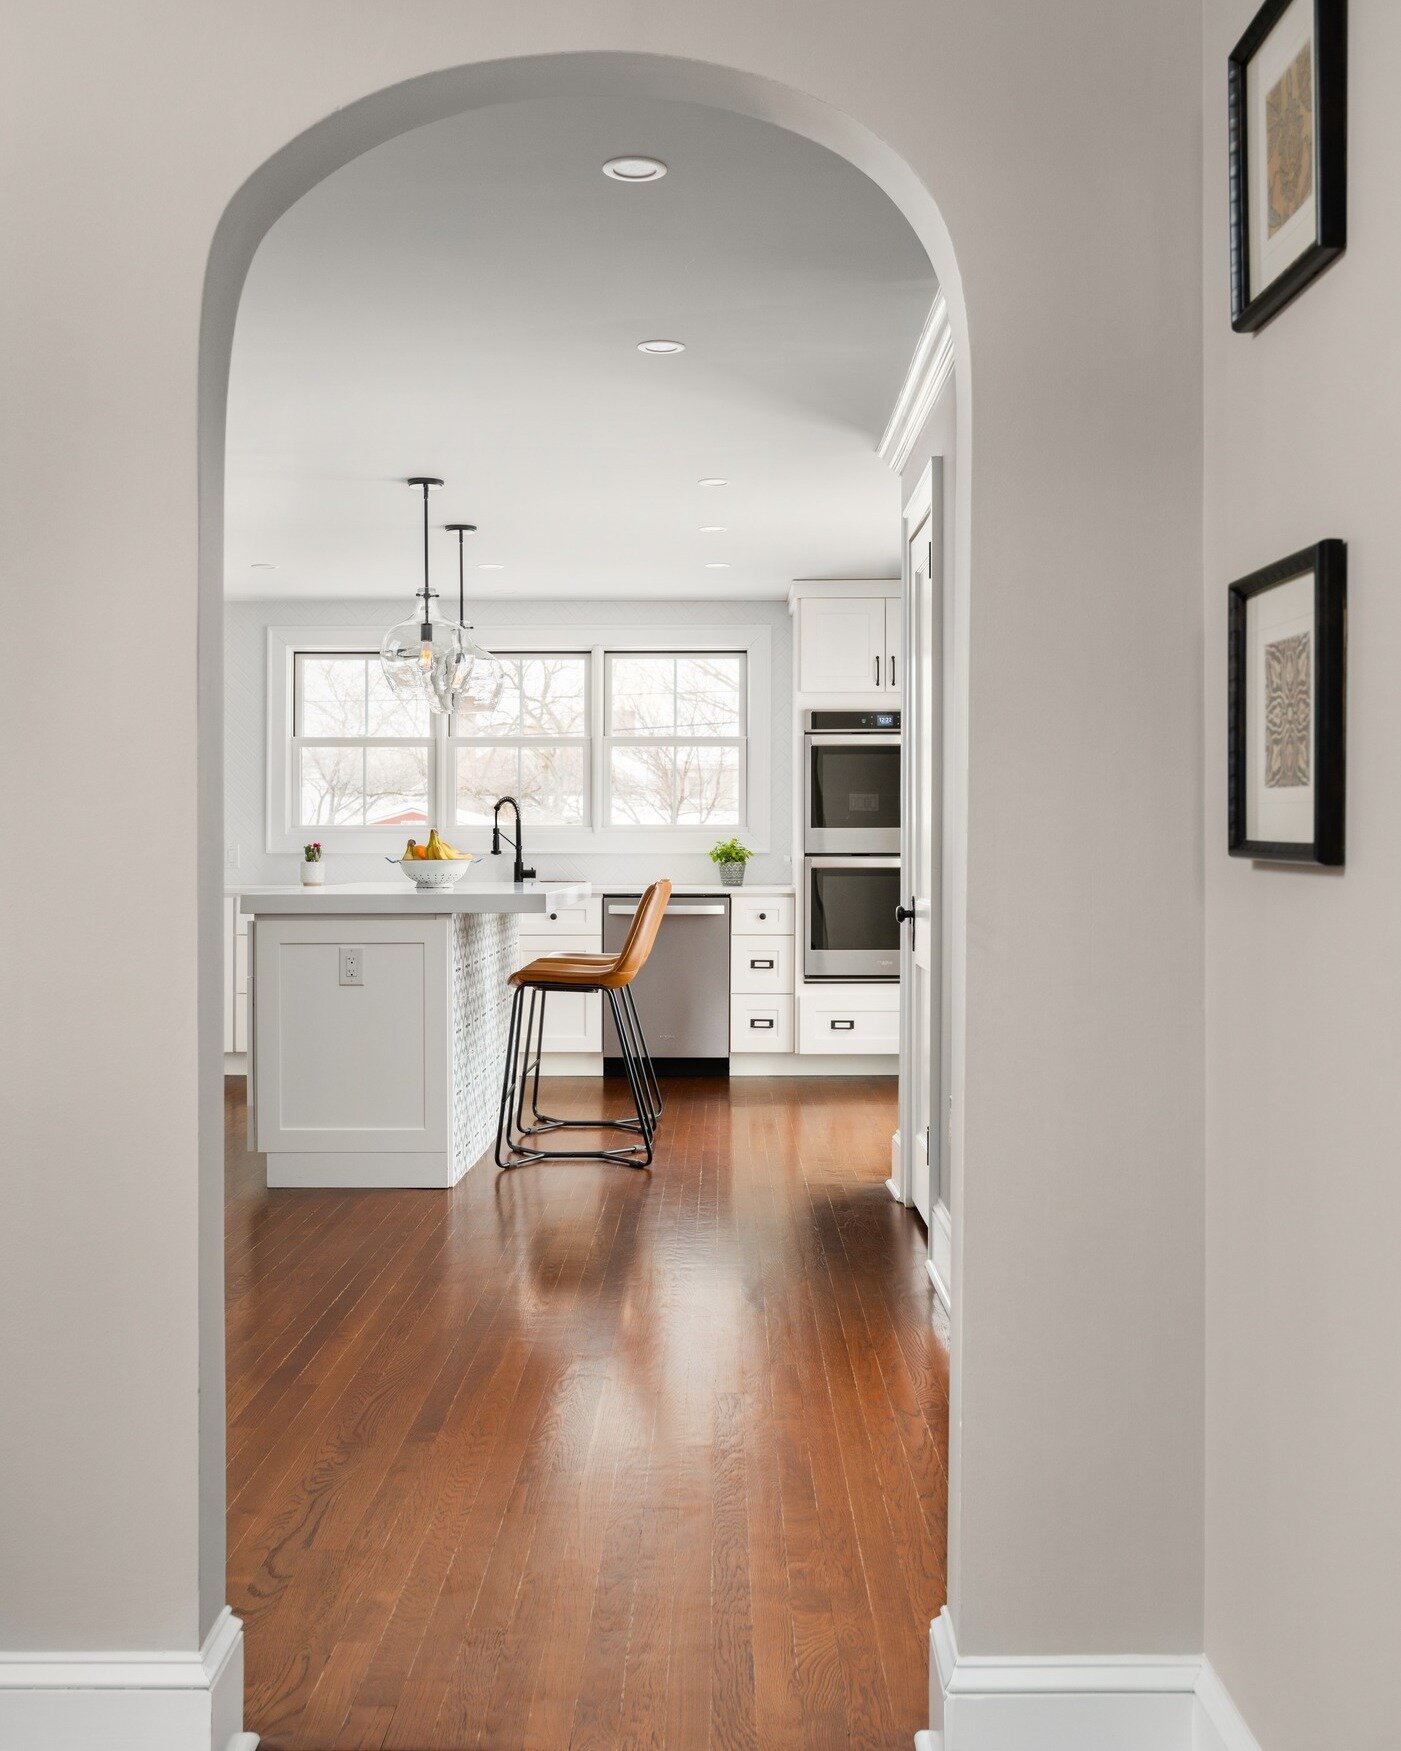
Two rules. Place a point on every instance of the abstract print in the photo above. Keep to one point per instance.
(1289, 140)
(1287, 713)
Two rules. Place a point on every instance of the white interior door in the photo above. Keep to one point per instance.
(923, 722)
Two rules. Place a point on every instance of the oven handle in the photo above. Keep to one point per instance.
(850, 860)
(851, 739)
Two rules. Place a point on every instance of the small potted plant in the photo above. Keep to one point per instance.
(313, 870)
(730, 857)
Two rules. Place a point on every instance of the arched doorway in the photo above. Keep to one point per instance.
(380, 118)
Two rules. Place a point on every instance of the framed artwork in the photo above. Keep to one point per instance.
(1286, 769)
(1288, 154)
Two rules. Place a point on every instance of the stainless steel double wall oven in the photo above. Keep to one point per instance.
(851, 844)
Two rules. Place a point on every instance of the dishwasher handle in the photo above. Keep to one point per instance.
(672, 911)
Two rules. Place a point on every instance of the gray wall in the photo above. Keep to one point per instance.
(1303, 1539)
(1076, 1499)
(245, 728)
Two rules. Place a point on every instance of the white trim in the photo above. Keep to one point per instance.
(755, 642)
(1219, 1725)
(940, 1261)
(129, 1701)
(811, 1064)
(1067, 1702)
(930, 369)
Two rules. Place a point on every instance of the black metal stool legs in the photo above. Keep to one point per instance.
(520, 1084)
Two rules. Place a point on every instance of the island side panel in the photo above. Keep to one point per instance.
(485, 952)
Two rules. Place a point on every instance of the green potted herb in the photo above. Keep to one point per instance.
(730, 857)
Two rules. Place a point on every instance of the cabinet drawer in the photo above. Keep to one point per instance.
(761, 964)
(241, 962)
(576, 918)
(866, 1020)
(761, 915)
(761, 1024)
(573, 1019)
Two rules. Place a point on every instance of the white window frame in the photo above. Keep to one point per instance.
(610, 741)
(755, 828)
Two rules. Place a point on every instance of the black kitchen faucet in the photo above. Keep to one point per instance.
(519, 873)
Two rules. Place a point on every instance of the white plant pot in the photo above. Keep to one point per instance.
(313, 874)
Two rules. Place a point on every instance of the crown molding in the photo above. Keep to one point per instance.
(930, 369)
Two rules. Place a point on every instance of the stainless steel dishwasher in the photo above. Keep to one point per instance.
(683, 992)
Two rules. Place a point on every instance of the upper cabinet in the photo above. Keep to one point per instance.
(849, 644)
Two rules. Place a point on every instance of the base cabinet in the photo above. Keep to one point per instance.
(573, 1019)
(849, 1019)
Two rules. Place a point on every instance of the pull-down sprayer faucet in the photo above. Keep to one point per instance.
(519, 873)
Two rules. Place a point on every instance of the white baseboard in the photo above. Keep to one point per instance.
(128, 1701)
(235, 1063)
(1219, 1725)
(813, 1064)
(363, 1170)
(1072, 1703)
(940, 1263)
(572, 1064)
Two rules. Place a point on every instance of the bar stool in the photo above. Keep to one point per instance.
(613, 976)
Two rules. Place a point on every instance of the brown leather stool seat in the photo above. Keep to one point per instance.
(613, 976)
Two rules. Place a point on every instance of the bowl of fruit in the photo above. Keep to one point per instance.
(436, 864)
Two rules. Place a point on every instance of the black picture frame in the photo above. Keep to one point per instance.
(1327, 560)
(1253, 306)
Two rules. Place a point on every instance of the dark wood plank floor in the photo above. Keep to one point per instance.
(579, 1456)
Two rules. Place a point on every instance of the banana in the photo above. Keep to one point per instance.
(411, 849)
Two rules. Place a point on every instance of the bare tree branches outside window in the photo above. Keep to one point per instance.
(523, 730)
(361, 753)
(675, 731)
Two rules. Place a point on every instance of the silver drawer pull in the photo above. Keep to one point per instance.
(761, 966)
(761, 1021)
(841, 1027)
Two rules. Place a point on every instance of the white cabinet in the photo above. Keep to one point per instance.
(761, 915)
(235, 976)
(849, 644)
(573, 1019)
(761, 1024)
(837, 1018)
(761, 964)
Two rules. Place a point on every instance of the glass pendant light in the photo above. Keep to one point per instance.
(472, 653)
(421, 657)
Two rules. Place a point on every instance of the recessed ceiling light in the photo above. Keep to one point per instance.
(713, 529)
(717, 565)
(661, 346)
(635, 169)
(262, 565)
(712, 480)
(491, 565)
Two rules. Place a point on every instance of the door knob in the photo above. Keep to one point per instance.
(904, 913)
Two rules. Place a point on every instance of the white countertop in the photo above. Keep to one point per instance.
(400, 899)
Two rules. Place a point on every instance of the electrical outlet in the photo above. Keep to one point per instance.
(352, 966)
(232, 856)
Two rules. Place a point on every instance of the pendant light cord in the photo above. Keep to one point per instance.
(427, 621)
(461, 587)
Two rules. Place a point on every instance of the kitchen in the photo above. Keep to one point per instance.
(777, 977)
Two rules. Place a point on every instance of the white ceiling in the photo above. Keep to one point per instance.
(467, 300)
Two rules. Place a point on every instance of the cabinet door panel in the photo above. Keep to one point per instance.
(842, 644)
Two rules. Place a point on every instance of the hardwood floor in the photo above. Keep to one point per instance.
(580, 1456)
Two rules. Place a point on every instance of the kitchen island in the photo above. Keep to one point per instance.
(377, 1026)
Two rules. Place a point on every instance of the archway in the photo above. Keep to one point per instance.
(275, 187)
